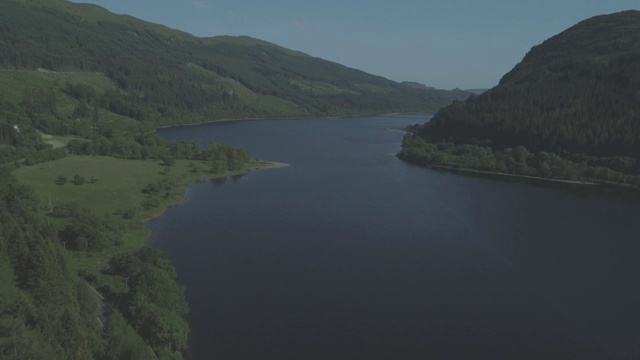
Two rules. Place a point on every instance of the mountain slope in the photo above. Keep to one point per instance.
(576, 92)
(569, 110)
(169, 76)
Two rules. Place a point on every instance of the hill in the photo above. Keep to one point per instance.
(476, 91)
(162, 76)
(574, 96)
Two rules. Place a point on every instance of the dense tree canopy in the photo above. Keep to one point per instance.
(45, 313)
(153, 301)
(578, 91)
(575, 95)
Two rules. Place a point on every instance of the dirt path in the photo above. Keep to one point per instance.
(103, 309)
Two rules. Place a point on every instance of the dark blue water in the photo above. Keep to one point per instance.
(351, 253)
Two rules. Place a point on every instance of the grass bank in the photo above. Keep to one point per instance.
(111, 186)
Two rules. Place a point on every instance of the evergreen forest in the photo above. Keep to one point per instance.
(568, 110)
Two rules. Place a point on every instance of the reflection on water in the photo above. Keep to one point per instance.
(235, 178)
(219, 181)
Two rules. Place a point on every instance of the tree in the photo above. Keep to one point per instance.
(78, 180)
(87, 232)
(82, 110)
(163, 328)
(61, 180)
(167, 160)
(150, 203)
(153, 285)
(123, 342)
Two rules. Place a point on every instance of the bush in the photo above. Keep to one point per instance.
(78, 180)
(61, 180)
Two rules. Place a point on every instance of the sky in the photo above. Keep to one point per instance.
(467, 44)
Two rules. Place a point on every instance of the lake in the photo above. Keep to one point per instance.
(350, 253)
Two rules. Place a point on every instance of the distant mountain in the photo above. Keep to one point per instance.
(578, 91)
(476, 91)
(569, 110)
(416, 85)
(158, 75)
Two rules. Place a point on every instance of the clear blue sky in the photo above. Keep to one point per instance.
(444, 44)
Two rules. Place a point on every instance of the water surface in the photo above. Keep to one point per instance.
(350, 253)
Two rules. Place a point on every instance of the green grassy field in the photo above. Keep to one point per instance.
(119, 184)
(119, 181)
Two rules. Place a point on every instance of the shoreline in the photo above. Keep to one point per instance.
(513, 176)
(282, 118)
(182, 198)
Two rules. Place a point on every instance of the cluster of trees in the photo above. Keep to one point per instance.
(8, 154)
(19, 139)
(151, 301)
(46, 312)
(39, 109)
(39, 105)
(519, 161)
(40, 153)
(158, 91)
(149, 146)
(577, 115)
(77, 180)
(98, 136)
(123, 342)
(573, 101)
(86, 231)
(8, 135)
(221, 158)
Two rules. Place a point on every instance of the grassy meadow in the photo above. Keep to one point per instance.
(118, 185)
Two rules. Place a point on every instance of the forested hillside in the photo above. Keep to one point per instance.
(82, 89)
(82, 225)
(575, 97)
(46, 312)
(164, 76)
